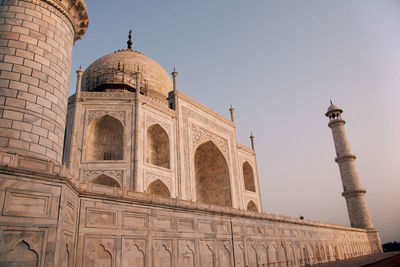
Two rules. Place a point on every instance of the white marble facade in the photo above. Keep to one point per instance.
(143, 176)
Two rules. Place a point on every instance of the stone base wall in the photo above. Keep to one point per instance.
(46, 220)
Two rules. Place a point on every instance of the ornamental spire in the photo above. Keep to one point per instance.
(129, 40)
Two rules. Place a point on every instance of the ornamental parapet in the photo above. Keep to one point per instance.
(354, 193)
(345, 158)
(75, 11)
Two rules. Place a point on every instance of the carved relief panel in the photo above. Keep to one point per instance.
(133, 252)
(224, 253)
(207, 253)
(186, 253)
(99, 251)
(162, 253)
(21, 248)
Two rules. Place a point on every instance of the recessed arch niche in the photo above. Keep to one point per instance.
(212, 176)
(106, 181)
(104, 139)
(157, 152)
(20, 255)
(248, 176)
(158, 188)
(251, 206)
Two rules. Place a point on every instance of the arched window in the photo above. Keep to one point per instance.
(252, 206)
(158, 188)
(212, 176)
(157, 146)
(104, 139)
(248, 176)
(106, 181)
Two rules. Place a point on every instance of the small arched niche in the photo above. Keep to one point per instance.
(158, 188)
(248, 177)
(105, 139)
(20, 255)
(157, 147)
(212, 176)
(106, 181)
(251, 206)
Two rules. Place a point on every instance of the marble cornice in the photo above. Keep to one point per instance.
(75, 11)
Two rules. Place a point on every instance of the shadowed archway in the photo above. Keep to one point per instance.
(251, 206)
(104, 139)
(248, 177)
(212, 176)
(106, 181)
(157, 152)
(158, 188)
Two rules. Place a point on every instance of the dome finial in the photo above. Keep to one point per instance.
(331, 101)
(130, 40)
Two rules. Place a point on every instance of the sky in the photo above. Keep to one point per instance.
(279, 63)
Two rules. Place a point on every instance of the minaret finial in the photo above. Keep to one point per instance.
(231, 110)
(129, 40)
(174, 75)
(252, 140)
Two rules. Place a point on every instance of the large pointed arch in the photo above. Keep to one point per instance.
(104, 139)
(157, 150)
(212, 176)
(248, 176)
(106, 181)
(158, 188)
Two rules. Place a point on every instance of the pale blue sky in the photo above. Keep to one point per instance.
(278, 63)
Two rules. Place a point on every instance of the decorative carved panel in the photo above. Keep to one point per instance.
(119, 115)
(151, 177)
(87, 175)
(27, 203)
(207, 254)
(186, 253)
(200, 135)
(99, 251)
(162, 253)
(151, 121)
(133, 252)
(21, 247)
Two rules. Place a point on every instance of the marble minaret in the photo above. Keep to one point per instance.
(353, 192)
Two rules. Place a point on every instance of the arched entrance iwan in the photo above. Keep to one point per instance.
(212, 176)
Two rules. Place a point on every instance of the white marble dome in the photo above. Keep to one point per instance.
(117, 70)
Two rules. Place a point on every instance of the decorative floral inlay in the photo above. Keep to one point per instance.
(119, 115)
(87, 175)
(199, 135)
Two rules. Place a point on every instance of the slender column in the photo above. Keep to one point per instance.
(137, 125)
(179, 183)
(73, 150)
(353, 192)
